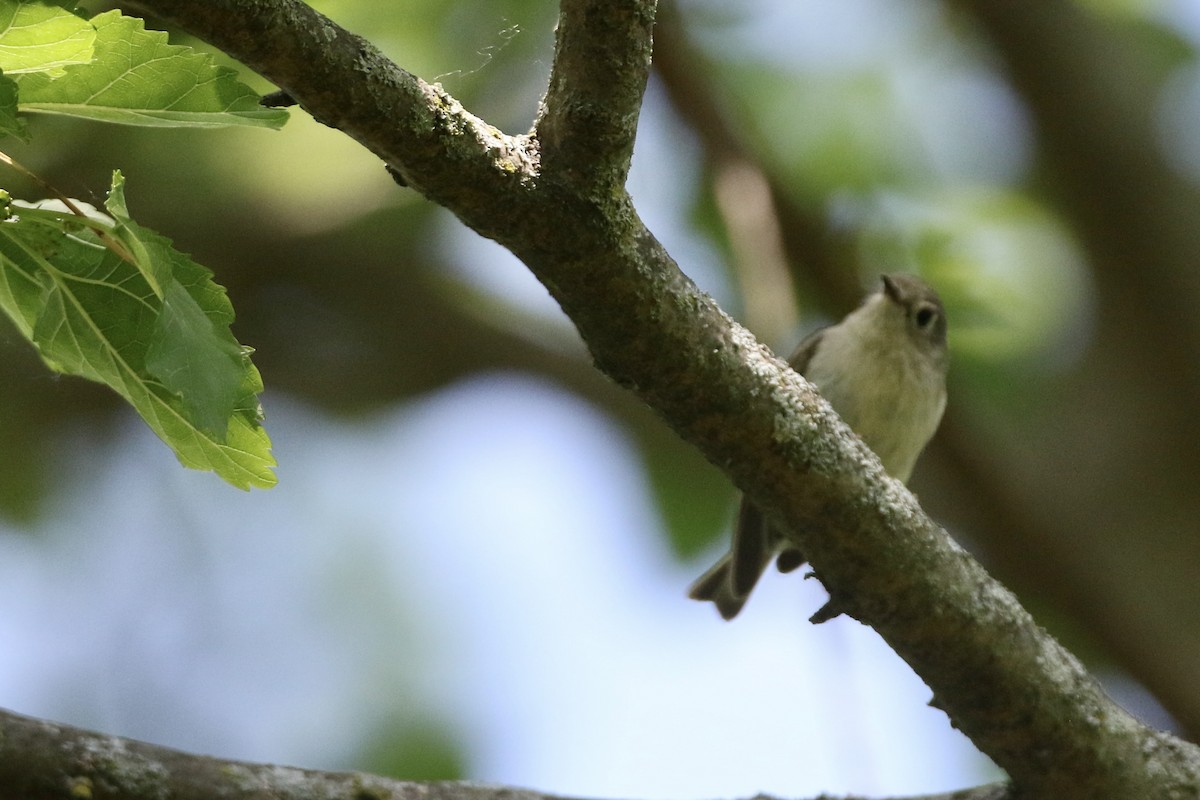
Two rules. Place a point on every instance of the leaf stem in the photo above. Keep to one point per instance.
(104, 234)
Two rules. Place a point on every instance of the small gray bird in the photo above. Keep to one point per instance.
(883, 369)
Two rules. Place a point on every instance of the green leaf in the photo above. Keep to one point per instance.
(137, 78)
(72, 289)
(192, 352)
(40, 36)
(192, 359)
(10, 123)
(154, 266)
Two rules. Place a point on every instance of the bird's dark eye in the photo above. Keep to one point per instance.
(925, 316)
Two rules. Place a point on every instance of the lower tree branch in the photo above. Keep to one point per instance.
(45, 760)
(42, 760)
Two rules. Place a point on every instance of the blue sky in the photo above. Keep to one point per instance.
(454, 558)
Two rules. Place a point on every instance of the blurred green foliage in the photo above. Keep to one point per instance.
(415, 750)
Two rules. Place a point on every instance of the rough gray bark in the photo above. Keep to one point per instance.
(555, 197)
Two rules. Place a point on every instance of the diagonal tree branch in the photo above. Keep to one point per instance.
(1010, 687)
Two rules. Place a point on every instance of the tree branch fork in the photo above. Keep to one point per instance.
(556, 198)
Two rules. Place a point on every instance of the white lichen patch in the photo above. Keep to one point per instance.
(110, 765)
